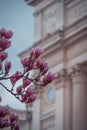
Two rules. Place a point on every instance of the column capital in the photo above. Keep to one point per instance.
(79, 72)
(62, 75)
(78, 69)
(62, 79)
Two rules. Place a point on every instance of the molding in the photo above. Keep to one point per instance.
(76, 26)
(49, 38)
(32, 2)
(48, 115)
(67, 1)
(44, 4)
(76, 35)
(72, 3)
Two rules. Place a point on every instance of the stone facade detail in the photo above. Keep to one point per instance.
(76, 10)
(49, 20)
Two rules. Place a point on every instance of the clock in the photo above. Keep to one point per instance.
(50, 94)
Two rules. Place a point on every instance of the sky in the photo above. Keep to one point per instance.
(17, 16)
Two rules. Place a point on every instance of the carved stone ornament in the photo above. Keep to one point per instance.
(49, 21)
(77, 69)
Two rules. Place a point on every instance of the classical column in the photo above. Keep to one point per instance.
(67, 102)
(59, 109)
(64, 102)
(79, 98)
(36, 114)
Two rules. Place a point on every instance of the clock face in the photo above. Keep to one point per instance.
(51, 94)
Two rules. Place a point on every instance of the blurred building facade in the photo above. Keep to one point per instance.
(61, 29)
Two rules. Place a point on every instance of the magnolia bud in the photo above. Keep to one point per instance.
(16, 127)
(23, 97)
(31, 98)
(8, 34)
(2, 31)
(26, 82)
(13, 117)
(29, 91)
(25, 62)
(48, 78)
(3, 56)
(19, 90)
(7, 66)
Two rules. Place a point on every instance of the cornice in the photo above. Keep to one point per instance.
(42, 5)
(67, 1)
(47, 115)
(32, 2)
(71, 3)
(76, 35)
(49, 38)
(76, 27)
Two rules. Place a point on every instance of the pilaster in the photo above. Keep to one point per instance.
(64, 101)
(79, 104)
(36, 111)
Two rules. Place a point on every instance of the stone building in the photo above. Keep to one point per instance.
(61, 29)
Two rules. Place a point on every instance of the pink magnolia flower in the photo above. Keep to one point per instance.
(15, 77)
(4, 111)
(2, 31)
(23, 97)
(31, 98)
(3, 56)
(48, 78)
(13, 117)
(19, 90)
(7, 66)
(4, 44)
(29, 91)
(4, 123)
(36, 52)
(18, 74)
(45, 69)
(7, 45)
(16, 127)
(30, 66)
(25, 62)
(26, 82)
(40, 63)
(32, 53)
(8, 34)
